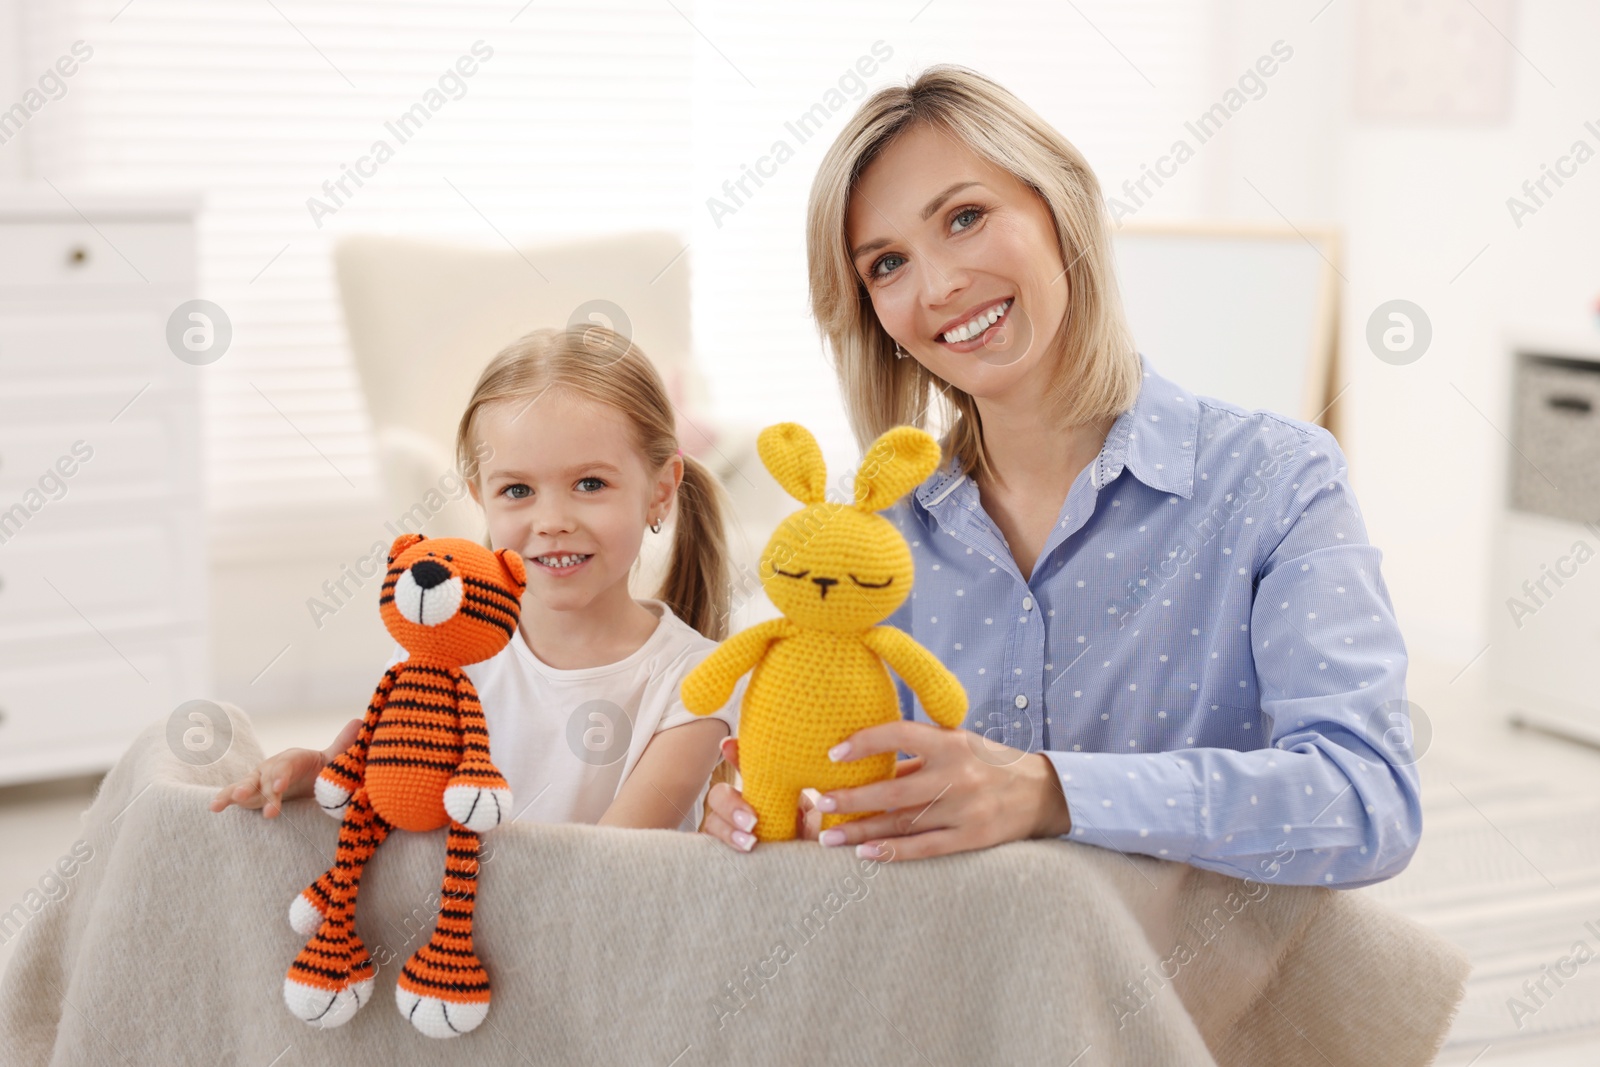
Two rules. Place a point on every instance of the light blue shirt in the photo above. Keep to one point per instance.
(1205, 649)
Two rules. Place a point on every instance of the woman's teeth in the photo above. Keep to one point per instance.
(977, 324)
(560, 561)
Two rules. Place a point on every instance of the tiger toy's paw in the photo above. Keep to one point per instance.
(332, 797)
(312, 904)
(437, 1017)
(331, 978)
(305, 916)
(326, 1008)
(480, 800)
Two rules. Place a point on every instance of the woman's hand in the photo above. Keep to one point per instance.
(289, 774)
(730, 818)
(964, 792)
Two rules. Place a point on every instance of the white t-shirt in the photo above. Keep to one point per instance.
(566, 740)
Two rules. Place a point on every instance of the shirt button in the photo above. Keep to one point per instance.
(1027, 603)
(1021, 701)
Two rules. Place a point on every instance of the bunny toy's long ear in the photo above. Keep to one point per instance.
(897, 462)
(790, 452)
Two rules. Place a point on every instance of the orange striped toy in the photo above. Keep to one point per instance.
(421, 762)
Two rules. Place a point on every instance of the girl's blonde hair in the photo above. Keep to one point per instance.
(602, 366)
(1097, 370)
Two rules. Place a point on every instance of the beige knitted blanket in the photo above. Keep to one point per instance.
(658, 948)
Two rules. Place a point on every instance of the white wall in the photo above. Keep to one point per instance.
(1417, 201)
(12, 161)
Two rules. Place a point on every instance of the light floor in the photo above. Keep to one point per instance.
(1508, 868)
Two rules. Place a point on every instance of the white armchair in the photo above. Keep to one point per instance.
(424, 317)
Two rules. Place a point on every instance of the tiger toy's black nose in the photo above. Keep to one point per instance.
(824, 583)
(427, 574)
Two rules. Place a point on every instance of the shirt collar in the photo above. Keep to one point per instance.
(1154, 439)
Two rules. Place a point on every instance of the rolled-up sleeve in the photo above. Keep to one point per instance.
(1334, 797)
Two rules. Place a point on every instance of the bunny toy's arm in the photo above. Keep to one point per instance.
(477, 796)
(941, 694)
(710, 684)
(342, 776)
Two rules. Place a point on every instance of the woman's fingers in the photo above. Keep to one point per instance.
(906, 766)
(729, 835)
(808, 823)
(727, 803)
(730, 815)
(728, 818)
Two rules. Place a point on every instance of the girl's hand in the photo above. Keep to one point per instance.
(966, 792)
(291, 773)
(730, 818)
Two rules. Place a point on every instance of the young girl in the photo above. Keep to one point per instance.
(582, 704)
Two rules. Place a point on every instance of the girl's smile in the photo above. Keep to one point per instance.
(561, 564)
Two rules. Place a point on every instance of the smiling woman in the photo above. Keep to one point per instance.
(1245, 708)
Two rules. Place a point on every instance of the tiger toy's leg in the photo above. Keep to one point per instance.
(443, 988)
(332, 976)
(312, 905)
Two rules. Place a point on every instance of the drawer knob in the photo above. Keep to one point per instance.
(78, 256)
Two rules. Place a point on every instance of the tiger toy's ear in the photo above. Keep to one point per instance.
(897, 462)
(788, 450)
(403, 542)
(514, 567)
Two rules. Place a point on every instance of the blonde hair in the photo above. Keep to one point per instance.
(602, 366)
(1103, 375)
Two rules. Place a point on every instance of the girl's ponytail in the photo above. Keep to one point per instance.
(698, 584)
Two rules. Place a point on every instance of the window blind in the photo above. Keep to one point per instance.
(577, 118)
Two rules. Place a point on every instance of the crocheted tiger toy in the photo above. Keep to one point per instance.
(835, 571)
(421, 762)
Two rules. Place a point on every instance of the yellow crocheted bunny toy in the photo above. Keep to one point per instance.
(835, 571)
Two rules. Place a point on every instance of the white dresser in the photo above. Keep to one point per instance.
(102, 546)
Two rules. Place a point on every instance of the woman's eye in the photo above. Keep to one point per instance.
(516, 491)
(600, 481)
(976, 214)
(876, 273)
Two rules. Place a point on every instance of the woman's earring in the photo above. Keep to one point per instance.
(900, 353)
(655, 527)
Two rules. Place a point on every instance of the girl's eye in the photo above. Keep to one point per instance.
(976, 213)
(881, 261)
(591, 478)
(513, 492)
